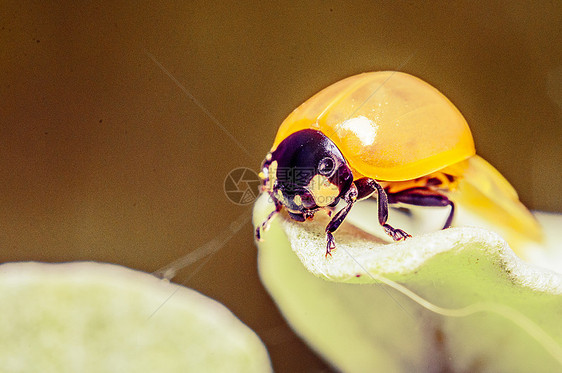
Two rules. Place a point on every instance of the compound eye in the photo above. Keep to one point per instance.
(327, 166)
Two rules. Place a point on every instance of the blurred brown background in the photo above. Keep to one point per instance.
(103, 157)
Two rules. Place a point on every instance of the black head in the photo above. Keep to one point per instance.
(306, 172)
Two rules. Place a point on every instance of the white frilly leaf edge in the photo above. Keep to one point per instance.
(477, 305)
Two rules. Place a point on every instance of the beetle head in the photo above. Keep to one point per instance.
(305, 173)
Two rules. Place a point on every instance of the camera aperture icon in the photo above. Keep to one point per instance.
(242, 186)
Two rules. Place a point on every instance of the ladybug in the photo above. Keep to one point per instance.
(386, 134)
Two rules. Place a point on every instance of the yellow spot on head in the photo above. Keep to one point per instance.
(272, 173)
(298, 200)
(323, 191)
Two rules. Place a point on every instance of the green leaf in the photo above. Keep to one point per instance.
(464, 302)
(90, 317)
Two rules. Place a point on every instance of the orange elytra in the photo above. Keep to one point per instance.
(390, 134)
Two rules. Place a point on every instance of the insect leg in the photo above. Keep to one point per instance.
(265, 224)
(424, 197)
(350, 197)
(367, 187)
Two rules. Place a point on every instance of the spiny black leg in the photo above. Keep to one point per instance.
(395, 233)
(265, 224)
(425, 197)
(449, 220)
(366, 187)
(350, 197)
